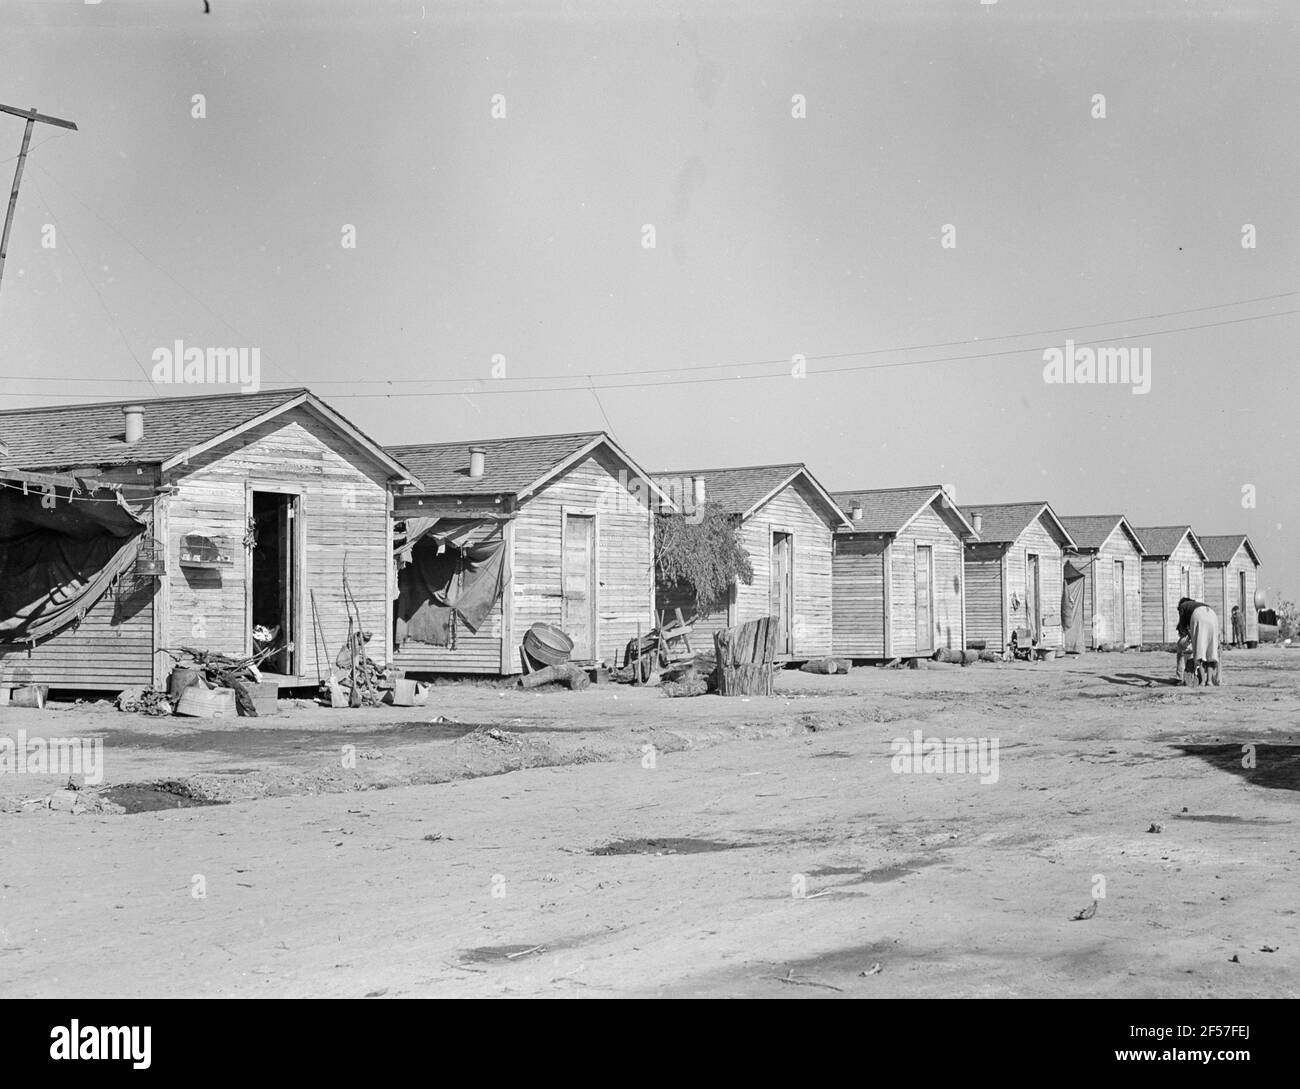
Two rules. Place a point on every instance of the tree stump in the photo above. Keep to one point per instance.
(746, 658)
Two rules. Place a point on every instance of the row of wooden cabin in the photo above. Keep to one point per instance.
(273, 510)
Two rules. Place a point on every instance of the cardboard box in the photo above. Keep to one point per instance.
(207, 702)
(264, 698)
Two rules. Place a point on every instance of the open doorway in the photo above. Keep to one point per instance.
(273, 578)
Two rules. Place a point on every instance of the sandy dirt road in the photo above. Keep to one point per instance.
(787, 857)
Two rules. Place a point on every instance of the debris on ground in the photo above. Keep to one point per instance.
(874, 970)
(1086, 913)
(1156, 828)
(789, 978)
(145, 701)
(689, 686)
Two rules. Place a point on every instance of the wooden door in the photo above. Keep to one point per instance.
(1033, 597)
(781, 602)
(924, 599)
(287, 519)
(1120, 600)
(578, 615)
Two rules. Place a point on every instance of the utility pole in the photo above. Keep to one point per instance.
(32, 117)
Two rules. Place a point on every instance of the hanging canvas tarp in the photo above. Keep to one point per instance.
(441, 575)
(1072, 609)
(60, 551)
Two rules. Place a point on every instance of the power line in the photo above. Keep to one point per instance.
(725, 378)
(126, 343)
(107, 223)
(589, 378)
(838, 355)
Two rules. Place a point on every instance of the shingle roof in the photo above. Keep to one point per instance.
(1091, 531)
(71, 436)
(736, 490)
(885, 510)
(510, 465)
(1162, 540)
(57, 436)
(1221, 548)
(1002, 523)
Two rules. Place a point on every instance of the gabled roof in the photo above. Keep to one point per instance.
(175, 429)
(892, 510)
(1221, 549)
(1161, 541)
(1092, 531)
(517, 466)
(1003, 523)
(743, 489)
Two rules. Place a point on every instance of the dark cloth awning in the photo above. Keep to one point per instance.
(441, 573)
(61, 547)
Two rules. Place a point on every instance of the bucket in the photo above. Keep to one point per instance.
(32, 695)
(545, 643)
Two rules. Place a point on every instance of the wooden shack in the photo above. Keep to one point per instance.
(568, 522)
(899, 586)
(786, 521)
(1107, 557)
(229, 512)
(1173, 568)
(1231, 578)
(1014, 573)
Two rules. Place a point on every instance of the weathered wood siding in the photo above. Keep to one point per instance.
(624, 554)
(1216, 597)
(1184, 556)
(1118, 548)
(1222, 591)
(858, 595)
(1101, 605)
(795, 510)
(984, 612)
(112, 647)
(1153, 596)
(928, 528)
(1160, 598)
(344, 519)
(474, 652)
(1035, 540)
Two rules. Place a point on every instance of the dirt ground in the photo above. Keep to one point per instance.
(615, 842)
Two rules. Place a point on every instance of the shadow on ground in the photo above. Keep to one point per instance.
(1276, 766)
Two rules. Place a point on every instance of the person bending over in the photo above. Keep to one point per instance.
(1198, 641)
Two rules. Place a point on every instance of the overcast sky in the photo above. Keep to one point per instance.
(775, 235)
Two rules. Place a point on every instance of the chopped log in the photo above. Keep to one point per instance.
(567, 674)
(826, 665)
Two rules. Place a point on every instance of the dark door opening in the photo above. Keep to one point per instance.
(274, 570)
